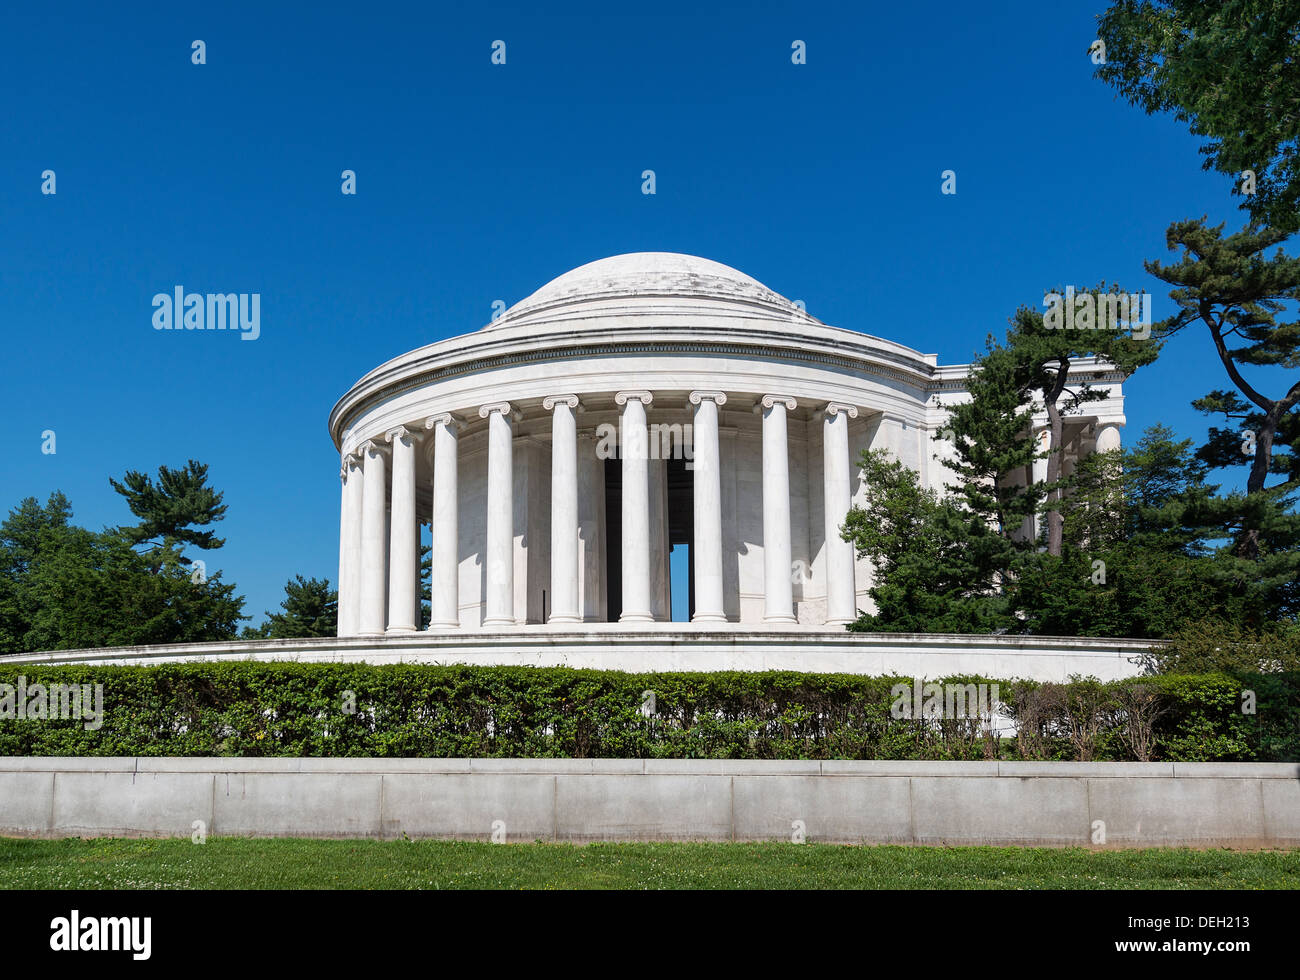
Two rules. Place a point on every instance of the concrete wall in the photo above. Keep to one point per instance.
(1140, 804)
(673, 646)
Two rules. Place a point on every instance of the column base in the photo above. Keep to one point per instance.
(399, 629)
(780, 620)
(838, 622)
(443, 625)
(708, 618)
(499, 622)
(636, 618)
(564, 620)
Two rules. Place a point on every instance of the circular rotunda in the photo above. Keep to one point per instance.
(632, 406)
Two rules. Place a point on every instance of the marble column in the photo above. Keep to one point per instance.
(634, 453)
(374, 535)
(404, 535)
(1038, 474)
(499, 549)
(564, 508)
(778, 586)
(1108, 437)
(444, 555)
(350, 546)
(661, 600)
(591, 521)
(707, 494)
(841, 590)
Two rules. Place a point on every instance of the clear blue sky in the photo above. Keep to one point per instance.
(479, 182)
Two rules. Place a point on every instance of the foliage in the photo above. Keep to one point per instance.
(171, 511)
(936, 565)
(310, 608)
(65, 587)
(410, 710)
(1217, 646)
(1229, 285)
(1227, 68)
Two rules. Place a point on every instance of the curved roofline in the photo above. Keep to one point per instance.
(482, 351)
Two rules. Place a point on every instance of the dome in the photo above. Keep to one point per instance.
(651, 282)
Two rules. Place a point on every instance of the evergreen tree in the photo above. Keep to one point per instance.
(1228, 285)
(1228, 69)
(171, 511)
(310, 608)
(64, 587)
(1045, 354)
(936, 565)
(992, 438)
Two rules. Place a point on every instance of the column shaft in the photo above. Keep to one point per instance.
(564, 509)
(841, 590)
(778, 585)
(444, 556)
(707, 493)
(634, 452)
(404, 538)
(350, 547)
(374, 528)
(500, 558)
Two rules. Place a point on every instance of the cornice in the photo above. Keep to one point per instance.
(370, 391)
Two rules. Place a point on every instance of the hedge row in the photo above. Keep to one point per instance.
(292, 709)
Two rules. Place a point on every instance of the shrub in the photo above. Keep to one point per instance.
(411, 710)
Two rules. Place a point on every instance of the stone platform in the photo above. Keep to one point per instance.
(671, 646)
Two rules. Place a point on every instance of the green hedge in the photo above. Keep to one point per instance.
(291, 709)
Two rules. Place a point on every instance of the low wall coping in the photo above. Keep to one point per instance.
(145, 765)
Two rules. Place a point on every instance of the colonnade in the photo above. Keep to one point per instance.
(379, 572)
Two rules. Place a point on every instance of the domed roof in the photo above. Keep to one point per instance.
(648, 282)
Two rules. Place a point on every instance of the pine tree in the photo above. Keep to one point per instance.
(1228, 285)
(310, 608)
(171, 511)
(1044, 356)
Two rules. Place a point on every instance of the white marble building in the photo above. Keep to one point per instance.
(635, 404)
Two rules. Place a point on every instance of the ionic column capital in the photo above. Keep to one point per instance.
(623, 397)
(399, 432)
(446, 420)
(550, 401)
(372, 447)
(768, 401)
(349, 459)
(835, 408)
(719, 398)
(505, 408)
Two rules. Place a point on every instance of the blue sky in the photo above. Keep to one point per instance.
(479, 182)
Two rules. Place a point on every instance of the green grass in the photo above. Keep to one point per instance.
(246, 863)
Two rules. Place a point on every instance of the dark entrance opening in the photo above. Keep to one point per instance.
(681, 527)
(614, 538)
(681, 533)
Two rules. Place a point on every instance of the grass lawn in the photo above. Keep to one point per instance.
(243, 863)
